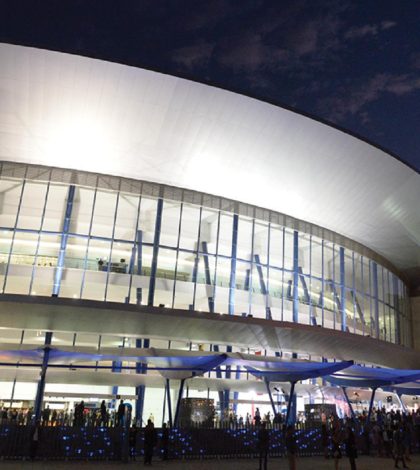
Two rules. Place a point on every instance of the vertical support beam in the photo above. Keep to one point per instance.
(178, 403)
(372, 398)
(267, 384)
(262, 286)
(289, 405)
(396, 310)
(343, 290)
(41, 384)
(207, 275)
(141, 368)
(232, 281)
(375, 297)
(156, 241)
(196, 259)
(403, 407)
(295, 276)
(168, 397)
(133, 268)
(346, 396)
(63, 244)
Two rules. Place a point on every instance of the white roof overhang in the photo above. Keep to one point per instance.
(75, 112)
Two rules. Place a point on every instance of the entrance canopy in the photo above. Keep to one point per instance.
(181, 364)
(296, 371)
(359, 376)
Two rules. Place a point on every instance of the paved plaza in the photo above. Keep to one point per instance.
(306, 463)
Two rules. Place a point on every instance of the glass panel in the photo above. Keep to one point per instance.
(5, 244)
(244, 239)
(170, 223)
(147, 220)
(276, 246)
(288, 250)
(118, 279)
(208, 231)
(55, 209)
(95, 280)
(184, 286)
(225, 234)
(82, 211)
(21, 262)
(10, 192)
(261, 241)
(189, 228)
(32, 206)
(46, 262)
(104, 214)
(125, 226)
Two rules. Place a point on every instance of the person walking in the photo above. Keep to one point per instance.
(149, 442)
(291, 446)
(399, 446)
(263, 445)
(336, 443)
(165, 442)
(120, 413)
(325, 440)
(351, 450)
(132, 441)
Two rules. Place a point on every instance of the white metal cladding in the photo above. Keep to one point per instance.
(74, 112)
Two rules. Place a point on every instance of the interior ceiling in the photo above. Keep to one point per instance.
(75, 112)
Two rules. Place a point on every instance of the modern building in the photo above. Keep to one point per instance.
(140, 210)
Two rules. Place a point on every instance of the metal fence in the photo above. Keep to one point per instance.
(101, 443)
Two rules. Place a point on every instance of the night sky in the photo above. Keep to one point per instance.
(355, 64)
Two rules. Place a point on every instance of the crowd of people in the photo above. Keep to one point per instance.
(385, 433)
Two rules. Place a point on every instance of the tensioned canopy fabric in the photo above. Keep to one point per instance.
(295, 371)
(359, 376)
(178, 364)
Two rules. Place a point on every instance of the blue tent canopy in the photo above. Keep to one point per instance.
(360, 376)
(294, 371)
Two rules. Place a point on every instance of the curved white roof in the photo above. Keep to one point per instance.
(75, 112)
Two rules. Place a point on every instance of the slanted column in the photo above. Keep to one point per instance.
(63, 244)
(375, 297)
(348, 402)
(291, 406)
(156, 241)
(178, 403)
(41, 384)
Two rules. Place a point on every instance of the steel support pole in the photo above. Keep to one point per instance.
(41, 384)
(232, 280)
(267, 384)
(289, 404)
(343, 290)
(168, 397)
(178, 403)
(348, 402)
(295, 276)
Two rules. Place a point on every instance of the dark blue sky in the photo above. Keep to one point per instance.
(353, 63)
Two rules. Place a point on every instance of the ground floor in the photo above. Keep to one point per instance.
(304, 463)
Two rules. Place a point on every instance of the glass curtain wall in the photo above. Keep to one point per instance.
(103, 242)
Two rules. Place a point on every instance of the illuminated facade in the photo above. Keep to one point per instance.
(162, 213)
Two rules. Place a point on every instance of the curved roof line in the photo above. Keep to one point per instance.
(230, 90)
